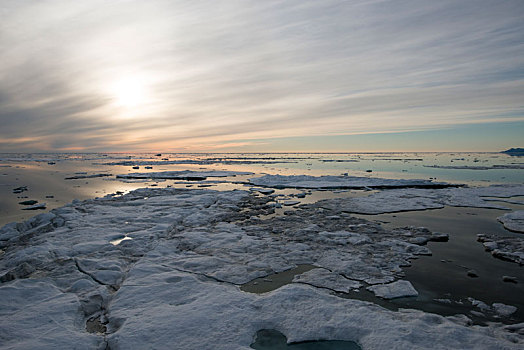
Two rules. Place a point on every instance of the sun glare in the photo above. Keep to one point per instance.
(129, 93)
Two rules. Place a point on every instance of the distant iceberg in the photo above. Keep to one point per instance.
(514, 152)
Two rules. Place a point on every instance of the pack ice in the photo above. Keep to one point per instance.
(161, 269)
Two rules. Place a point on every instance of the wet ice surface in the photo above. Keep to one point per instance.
(141, 269)
(393, 290)
(398, 200)
(268, 339)
(179, 275)
(338, 182)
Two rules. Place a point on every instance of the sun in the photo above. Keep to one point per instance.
(129, 92)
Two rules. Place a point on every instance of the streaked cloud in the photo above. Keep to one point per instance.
(198, 75)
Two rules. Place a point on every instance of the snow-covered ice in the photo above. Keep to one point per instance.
(262, 190)
(503, 309)
(505, 248)
(408, 199)
(326, 182)
(498, 308)
(325, 279)
(397, 289)
(160, 307)
(175, 283)
(513, 221)
(290, 203)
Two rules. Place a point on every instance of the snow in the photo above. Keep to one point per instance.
(290, 203)
(505, 248)
(337, 182)
(266, 191)
(401, 195)
(513, 221)
(503, 309)
(35, 314)
(408, 199)
(326, 279)
(176, 282)
(498, 308)
(183, 174)
(397, 289)
(160, 307)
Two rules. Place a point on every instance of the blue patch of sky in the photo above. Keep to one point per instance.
(487, 137)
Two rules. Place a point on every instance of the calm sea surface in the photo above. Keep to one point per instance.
(44, 174)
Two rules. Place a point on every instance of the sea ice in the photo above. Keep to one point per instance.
(503, 309)
(337, 182)
(35, 314)
(513, 221)
(290, 203)
(497, 308)
(35, 206)
(505, 248)
(85, 176)
(200, 161)
(397, 289)
(175, 283)
(183, 174)
(409, 199)
(262, 190)
(326, 279)
(471, 167)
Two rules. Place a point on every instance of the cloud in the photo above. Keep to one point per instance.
(228, 72)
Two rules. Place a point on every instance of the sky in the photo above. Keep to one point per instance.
(261, 76)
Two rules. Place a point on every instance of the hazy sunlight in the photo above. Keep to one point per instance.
(129, 92)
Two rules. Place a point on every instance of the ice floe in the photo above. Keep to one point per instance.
(262, 190)
(505, 248)
(503, 309)
(36, 314)
(473, 167)
(498, 308)
(408, 199)
(85, 176)
(28, 202)
(35, 206)
(183, 174)
(513, 221)
(156, 307)
(397, 289)
(176, 282)
(326, 279)
(226, 161)
(337, 182)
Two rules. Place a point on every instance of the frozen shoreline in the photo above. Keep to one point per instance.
(185, 254)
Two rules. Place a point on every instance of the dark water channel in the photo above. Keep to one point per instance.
(443, 275)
